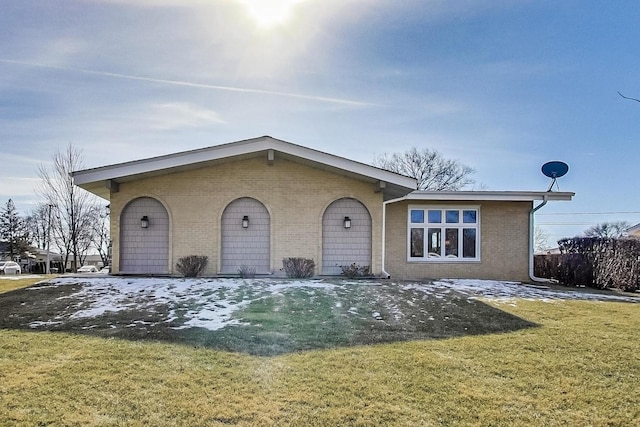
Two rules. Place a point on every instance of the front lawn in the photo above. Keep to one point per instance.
(10, 283)
(262, 317)
(567, 363)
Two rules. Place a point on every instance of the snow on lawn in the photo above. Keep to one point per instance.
(509, 291)
(204, 303)
(212, 303)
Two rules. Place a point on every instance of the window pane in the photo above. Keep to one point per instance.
(435, 217)
(453, 217)
(417, 216)
(435, 242)
(417, 242)
(469, 243)
(451, 242)
(469, 217)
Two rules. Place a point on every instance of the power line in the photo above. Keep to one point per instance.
(593, 213)
(564, 223)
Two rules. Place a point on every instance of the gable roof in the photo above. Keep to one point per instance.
(99, 180)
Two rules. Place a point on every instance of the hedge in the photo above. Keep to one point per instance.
(594, 262)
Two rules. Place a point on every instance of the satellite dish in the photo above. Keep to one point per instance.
(554, 170)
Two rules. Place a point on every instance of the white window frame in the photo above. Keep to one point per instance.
(443, 225)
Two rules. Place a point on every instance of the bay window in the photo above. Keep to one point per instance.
(443, 233)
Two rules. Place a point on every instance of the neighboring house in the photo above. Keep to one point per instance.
(93, 259)
(252, 203)
(55, 261)
(634, 231)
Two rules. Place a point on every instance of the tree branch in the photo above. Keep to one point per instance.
(626, 97)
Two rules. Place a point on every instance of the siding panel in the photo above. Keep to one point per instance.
(144, 250)
(245, 246)
(342, 246)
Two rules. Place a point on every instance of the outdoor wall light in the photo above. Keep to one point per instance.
(144, 222)
(347, 222)
(245, 221)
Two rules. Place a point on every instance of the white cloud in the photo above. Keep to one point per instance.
(18, 186)
(176, 115)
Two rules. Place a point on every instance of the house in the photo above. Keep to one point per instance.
(40, 261)
(254, 202)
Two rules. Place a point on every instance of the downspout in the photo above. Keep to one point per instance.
(386, 275)
(532, 275)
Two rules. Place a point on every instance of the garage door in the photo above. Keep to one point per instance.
(345, 245)
(245, 236)
(144, 249)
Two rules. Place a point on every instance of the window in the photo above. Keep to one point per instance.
(443, 234)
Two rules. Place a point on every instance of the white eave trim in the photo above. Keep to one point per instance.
(498, 196)
(233, 149)
(633, 228)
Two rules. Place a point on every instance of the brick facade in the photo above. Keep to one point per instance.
(296, 195)
(297, 199)
(504, 244)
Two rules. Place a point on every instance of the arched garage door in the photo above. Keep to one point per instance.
(144, 250)
(245, 246)
(345, 246)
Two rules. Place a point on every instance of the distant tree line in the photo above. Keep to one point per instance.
(70, 220)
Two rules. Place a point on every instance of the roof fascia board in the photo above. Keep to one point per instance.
(233, 149)
(506, 196)
(344, 164)
(633, 228)
(169, 161)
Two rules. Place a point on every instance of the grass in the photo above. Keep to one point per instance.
(7, 285)
(581, 366)
(269, 321)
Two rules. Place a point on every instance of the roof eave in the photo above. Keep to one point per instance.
(506, 196)
(94, 180)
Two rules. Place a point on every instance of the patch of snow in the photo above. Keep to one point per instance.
(39, 324)
(316, 284)
(212, 303)
(499, 290)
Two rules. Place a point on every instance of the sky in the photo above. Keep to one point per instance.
(501, 86)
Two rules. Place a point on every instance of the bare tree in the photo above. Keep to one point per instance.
(38, 221)
(73, 207)
(429, 167)
(611, 230)
(540, 239)
(629, 98)
(14, 231)
(101, 235)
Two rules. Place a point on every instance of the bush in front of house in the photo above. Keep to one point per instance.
(247, 272)
(192, 265)
(354, 270)
(298, 268)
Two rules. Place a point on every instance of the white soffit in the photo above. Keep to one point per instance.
(498, 196)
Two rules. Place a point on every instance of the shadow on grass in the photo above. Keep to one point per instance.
(293, 320)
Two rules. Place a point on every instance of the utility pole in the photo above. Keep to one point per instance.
(48, 271)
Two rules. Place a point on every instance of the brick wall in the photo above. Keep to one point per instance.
(504, 254)
(295, 196)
